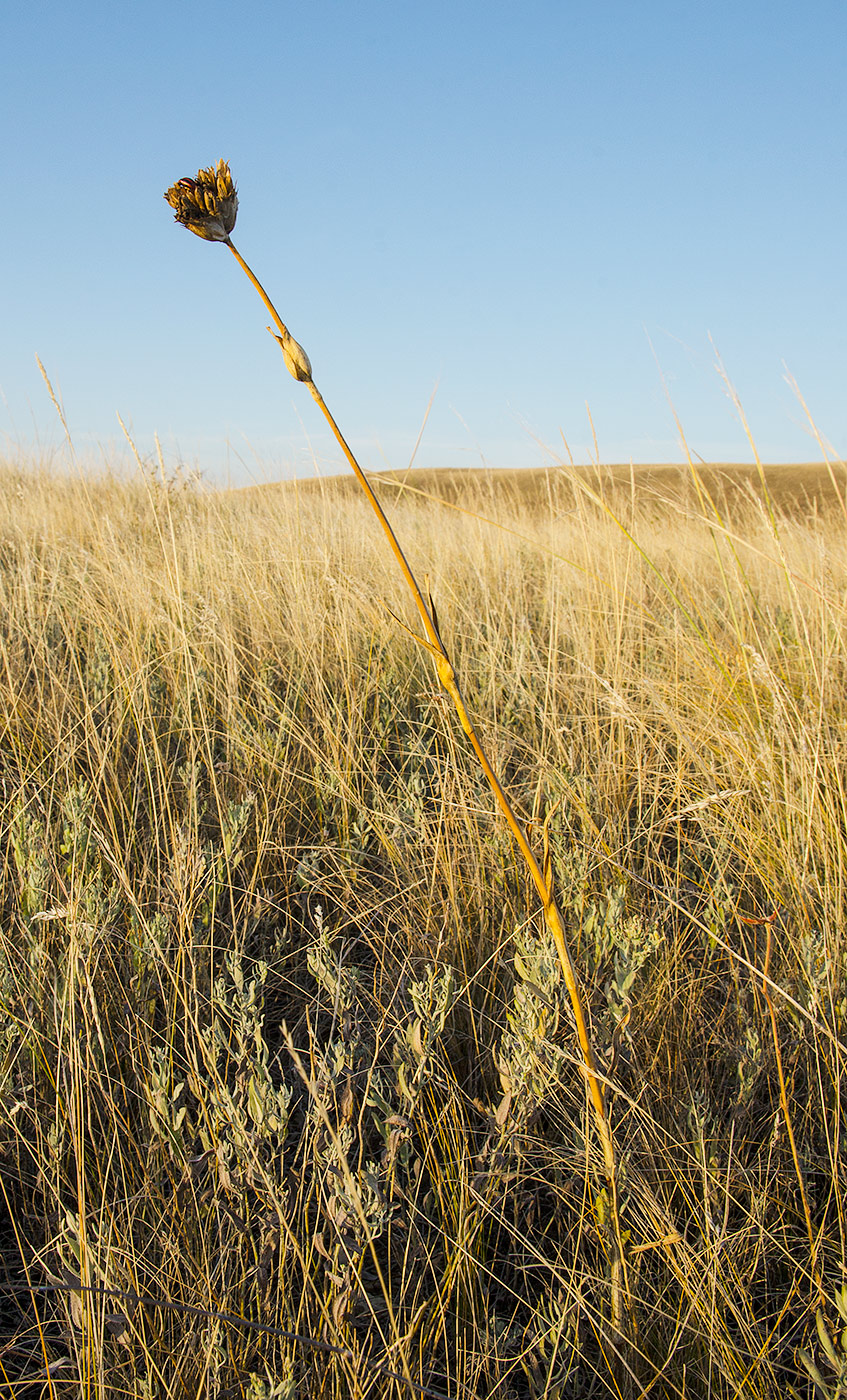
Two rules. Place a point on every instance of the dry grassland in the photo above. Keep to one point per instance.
(290, 1102)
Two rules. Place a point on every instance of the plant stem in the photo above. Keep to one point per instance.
(447, 676)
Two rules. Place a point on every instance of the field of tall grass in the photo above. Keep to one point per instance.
(291, 1103)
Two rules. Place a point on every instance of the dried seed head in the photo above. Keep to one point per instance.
(207, 205)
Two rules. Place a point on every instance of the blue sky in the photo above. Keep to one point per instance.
(520, 209)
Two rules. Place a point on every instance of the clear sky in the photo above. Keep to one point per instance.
(520, 208)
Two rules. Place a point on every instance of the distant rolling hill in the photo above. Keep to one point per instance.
(791, 486)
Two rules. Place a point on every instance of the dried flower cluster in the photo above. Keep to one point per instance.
(208, 205)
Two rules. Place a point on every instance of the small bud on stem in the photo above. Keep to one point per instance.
(296, 359)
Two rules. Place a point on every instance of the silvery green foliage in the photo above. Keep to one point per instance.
(202, 871)
(705, 1128)
(165, 1108)
(633, 941)
(625, 940)
(393, 1100)
(230, 1103)
(751, 1060)
(335, 1059)
(34, 872)
(813, 988)
(432, 996)
(354, 1202)
(95, 894)
(74, 1263)
(393, 1126)
(147, 943)
(602, 917)
(62, 880)
(77, 829)
(270, 1388)
(98, 680)
(32, 862)
(628, 939)
(549, 1360)
(412, 801)
(233, 828)
(355, 1211)
(718, 916)
(245, 1112)
(11, 1029)
(570, 866)
(354, 1190)
(334, 1063)
(833, 1351)
(325, 962)
(528, 1061)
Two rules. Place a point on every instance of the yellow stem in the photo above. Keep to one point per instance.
(447, 676)
(432, 634)
(552, 914)
(256, 283)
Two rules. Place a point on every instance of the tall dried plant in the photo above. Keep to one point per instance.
(208, 205)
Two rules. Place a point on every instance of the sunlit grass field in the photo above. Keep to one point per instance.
(290, 1100)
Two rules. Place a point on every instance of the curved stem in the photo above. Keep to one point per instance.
(256, 283)
(447, 676)
(552, 914)
(432, 635)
